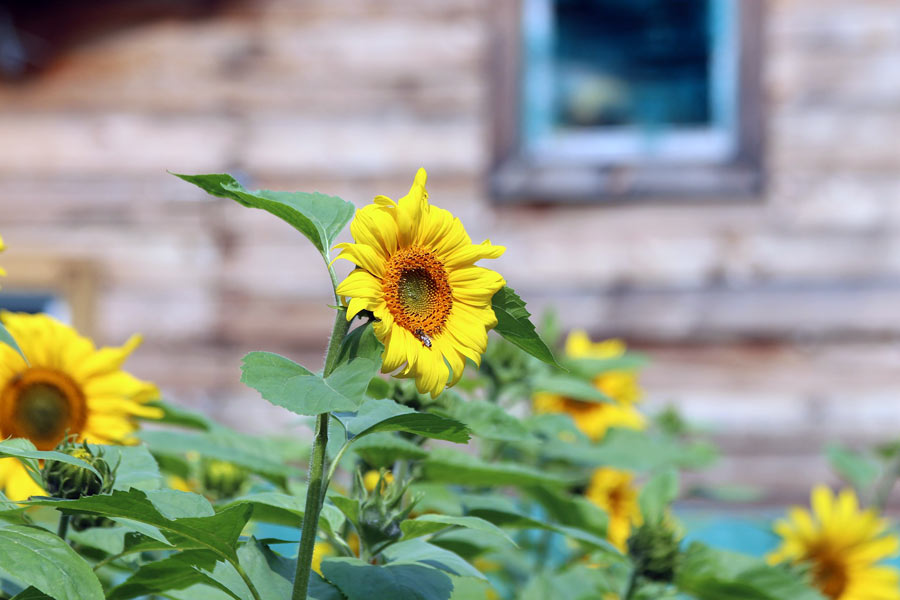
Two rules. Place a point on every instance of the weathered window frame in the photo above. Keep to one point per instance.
(518, 177)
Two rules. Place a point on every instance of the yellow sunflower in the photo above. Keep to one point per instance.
(620, 385)
(595, 418)
(613, 491)
(841, 544)
(67, 385)
(416, 273)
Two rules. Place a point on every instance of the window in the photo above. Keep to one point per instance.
(630, 97)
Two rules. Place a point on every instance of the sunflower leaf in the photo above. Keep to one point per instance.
(284, 383)
(358, 580)
(317, 216)
(38, 558)
(570, 387)
(25, 451)
(657, 494)
(425, 424)
(7, 338)
(513, 323)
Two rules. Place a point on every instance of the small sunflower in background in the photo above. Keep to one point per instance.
(614, 491)
(68, 386)
(841, 545)
(416, 273)
(2, 248)
(595, 418)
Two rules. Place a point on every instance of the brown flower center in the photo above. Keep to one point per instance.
(830, 575)
(417, 292)
(41, 405)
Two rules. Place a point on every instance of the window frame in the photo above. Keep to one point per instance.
(520, 175)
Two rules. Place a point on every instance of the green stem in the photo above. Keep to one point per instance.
(247, 580)
(632, 585)
(315, 491)
(63, 526)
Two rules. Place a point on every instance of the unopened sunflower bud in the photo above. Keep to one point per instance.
(71, 482)
(222, 478)
(654, 549)
(381, 509)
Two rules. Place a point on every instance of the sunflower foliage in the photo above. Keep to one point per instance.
(444, 466)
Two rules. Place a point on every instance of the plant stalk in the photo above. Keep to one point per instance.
(632, 585)
(315, 491)
(63, 526)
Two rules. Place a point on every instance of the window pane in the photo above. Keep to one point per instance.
(631, 62)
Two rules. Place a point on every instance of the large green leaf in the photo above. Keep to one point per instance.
(136, 466)
(6, 338)
(432, 523)
(449, 466)
(176, 572)
(382, 449)
(358, 580)
(424, 424)
(38, 558)
(420, 551)
(284, 383)
(317, 216)
(514, 324)
(258, 455)
(709, 574)
(163, 511)
(489, 421)
(284, 509)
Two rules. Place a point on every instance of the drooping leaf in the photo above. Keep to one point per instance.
(657, 494)
(855, 468)
(285, 509)
(25, 451)
(424, 424)
(217, 532)
(358, 580)
(370, 413)
(317, 216)
(419, 551)
(432, 523)
(382, 449)
(570, 387)
(41, 559)
(514, 324)
(284, 383)
(449, 466)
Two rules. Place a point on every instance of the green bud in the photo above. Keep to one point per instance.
(382, 510)
(70, 482)
(654, 549)
(223, 479)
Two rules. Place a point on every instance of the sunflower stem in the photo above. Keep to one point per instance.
(63, 526)
(315, 491)
(632, 585)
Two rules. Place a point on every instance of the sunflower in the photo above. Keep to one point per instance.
(67, 386)
(613, 491)
(595, 418)
(416, 273)
(841, 544)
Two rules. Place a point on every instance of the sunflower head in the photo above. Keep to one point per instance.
(66, 387)
(63, 480)
(222, 478)
(841, 545)
(415, 272)
(614, 491)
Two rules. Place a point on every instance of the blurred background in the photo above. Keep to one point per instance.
(715, 181)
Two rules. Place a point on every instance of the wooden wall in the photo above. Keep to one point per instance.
(773, 319)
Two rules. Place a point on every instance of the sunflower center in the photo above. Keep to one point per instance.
(830, 576)
(417, 292)
(41, 405)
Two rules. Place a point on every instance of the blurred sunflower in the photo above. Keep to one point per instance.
(67, 386)
(416, 273)
(614, 491)
(595, 418)
(841, 544)
(2, 248)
